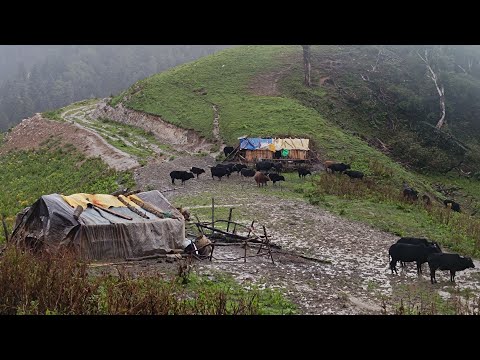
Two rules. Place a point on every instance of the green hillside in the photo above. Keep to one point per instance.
(259, 91)
(185, 94)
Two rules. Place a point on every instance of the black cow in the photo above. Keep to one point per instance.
(275, 177)
(264, 165)
(238, 167)
(302, 172)
(452, 262)
(181, 175)
(354, 174)
(452, 205)
(410, 194)
(220, 171)
(228, 166)
(196, 171)
(341, 167)
(407, 253)
(248, 172)
(227, 150)
(417, 241)
(278, 166)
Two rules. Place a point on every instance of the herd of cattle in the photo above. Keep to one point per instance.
(406, 249)
(263, 172)
(420, 250)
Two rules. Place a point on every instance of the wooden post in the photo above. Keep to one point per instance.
(251, 227)
(5, 229)
(268, 244)
(245, 258)
(229, 218)
(213, 215)
(199, 227)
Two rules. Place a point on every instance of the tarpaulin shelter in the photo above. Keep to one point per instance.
(99, 234)
(253, 149)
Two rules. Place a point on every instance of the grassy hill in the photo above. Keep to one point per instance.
(258, 91)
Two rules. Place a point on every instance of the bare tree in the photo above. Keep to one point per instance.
(306, 64)
(439, 87)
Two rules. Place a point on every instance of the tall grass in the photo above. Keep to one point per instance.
(43, 283)
(458, 231)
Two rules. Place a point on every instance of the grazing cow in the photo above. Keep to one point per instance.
(275, 177)
(196, 171)
(278, 166)
(264, 165)
(227, 150)
(219, 171)
(261, 178)
(327, 163)
(354, 174)
(417, 241)
(302, 172)
(341, 167)
(407, 253)
(452, 262)
(181, 175)
(410, 194)
(238, 167)
(452, 205)
(426, 200)
(248, 172)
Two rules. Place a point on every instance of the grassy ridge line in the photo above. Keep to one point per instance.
(184, 95)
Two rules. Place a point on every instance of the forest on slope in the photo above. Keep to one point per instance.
(42, 77)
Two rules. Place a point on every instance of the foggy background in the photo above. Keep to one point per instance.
(36, 78)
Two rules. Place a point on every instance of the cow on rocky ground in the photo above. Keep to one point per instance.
(452, 262)
(452, 205)
(275, 177)
(197, 171)
(227, 150)
(354, 174)
(408, 253)
(417, 241)
(261, 179)
(238, 167)
(181, 175)
(302, 172)
(248, 172)
(341, 167)
(220, 171)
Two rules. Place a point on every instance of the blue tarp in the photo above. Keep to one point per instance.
(254, 143)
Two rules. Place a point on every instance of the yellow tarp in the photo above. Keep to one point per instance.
(292, 144)
(102, 200)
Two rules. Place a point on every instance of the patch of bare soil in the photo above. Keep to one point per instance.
(355, 281)
(31, 132)
(185, 140)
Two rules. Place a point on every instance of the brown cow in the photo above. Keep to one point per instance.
(261, 178)
(327, 163)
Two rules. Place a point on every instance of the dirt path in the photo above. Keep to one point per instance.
(355, 281)
(32, 132)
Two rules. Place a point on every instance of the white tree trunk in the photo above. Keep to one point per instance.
(440, 90)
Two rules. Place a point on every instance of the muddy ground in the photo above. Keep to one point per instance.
(357, 281)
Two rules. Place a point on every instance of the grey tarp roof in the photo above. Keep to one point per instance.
(99, 235)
